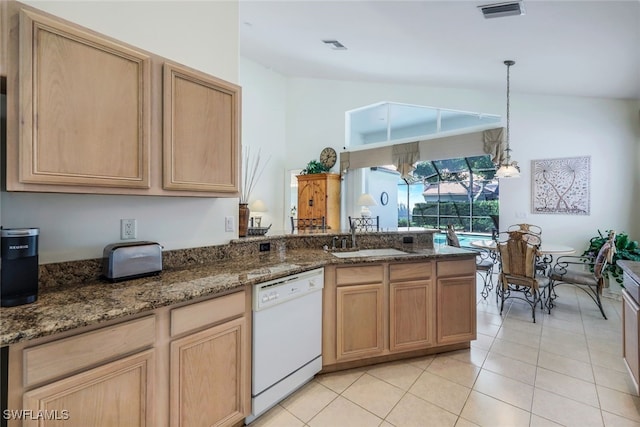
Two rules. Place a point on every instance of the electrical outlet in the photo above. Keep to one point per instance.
(228, 223)
(265, 247)
(128, 229)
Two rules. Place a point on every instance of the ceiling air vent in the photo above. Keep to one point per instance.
(335, 44)
(497, 10)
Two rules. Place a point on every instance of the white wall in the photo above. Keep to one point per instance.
(202, 35)
(263, 129)
(541, 127)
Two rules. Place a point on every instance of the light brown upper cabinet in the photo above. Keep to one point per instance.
(84, 107)
(90, 114)
(201, 134)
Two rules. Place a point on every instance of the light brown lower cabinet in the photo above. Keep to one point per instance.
(386, 310)
(119, 393)
(206, 376)
(186, 366)
(456, 301)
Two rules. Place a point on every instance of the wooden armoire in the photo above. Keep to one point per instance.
(318, 196)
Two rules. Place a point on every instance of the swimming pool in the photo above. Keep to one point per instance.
(440, 239)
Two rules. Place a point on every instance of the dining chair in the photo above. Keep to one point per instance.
(308, 225)
(527, 228)
(485, 261)
(518, 253)
(365, 223)
(589, 276)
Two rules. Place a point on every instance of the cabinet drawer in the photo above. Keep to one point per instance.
(410, 271)
(359, 274)
(457, 268)
(194, 316)
(58, 358)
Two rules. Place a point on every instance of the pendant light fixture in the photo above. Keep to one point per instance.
(508, 169)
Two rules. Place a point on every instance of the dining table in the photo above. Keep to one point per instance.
(547, 250)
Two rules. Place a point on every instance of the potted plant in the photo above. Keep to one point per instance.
(625, 249)
(313, 167)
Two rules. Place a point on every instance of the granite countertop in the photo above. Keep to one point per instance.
(632, 268)
(96, 301)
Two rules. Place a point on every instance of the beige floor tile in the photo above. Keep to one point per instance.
(484, 410)
(309, 400)
(400, 374)
(373, 394)
(459, 372)
(412, 411)
(511, 368)
(489, 305)
(277, 417)
(566, 348)
(482, 341)
(608, 342)
(441, 392)
(614, 379)
(608, 360)
(523, 353)
(489, 318)
(465, 423)
(474, 356)
(386, 424)
(622, 404)
(537, 421)
(488, 329)
(519, 336)
(570, 387)
(342, 412)
(563, 410)
(421, 362)
(339, 381)
(613, 420)
(565, 365)
(506, 389)
(524, 326)
(564, 325)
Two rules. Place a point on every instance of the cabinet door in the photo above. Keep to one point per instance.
(359, 323)
(412, 315)
(115, 394)
(631, 328)
(207, 386)
(201, 121)
(312, 199)
(456, 309)
(84, 107)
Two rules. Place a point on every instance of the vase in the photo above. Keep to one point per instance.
(243, 219)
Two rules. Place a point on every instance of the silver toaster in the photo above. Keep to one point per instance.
(121, 261)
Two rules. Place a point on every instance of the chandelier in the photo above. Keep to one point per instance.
(507, 168)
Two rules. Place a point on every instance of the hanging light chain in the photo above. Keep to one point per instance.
(508, 63)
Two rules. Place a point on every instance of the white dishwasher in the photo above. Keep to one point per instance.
(287, 337)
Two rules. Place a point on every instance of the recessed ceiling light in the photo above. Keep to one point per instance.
(497, 10)
(336, 45)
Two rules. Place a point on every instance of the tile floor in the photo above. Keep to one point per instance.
(564, 370)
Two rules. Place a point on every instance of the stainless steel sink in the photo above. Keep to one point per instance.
(369, 252)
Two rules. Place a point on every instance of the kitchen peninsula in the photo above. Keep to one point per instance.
(148, 336)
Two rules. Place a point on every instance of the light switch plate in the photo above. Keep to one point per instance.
(228, 223)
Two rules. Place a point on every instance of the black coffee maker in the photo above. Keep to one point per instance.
(18, 266)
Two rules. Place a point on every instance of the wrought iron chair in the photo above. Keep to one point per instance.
(589, 278)
(308, 225)
(527, 228)
(485, 260)
(518, 278)
(365, 223)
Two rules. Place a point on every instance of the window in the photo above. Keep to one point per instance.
(463, 192)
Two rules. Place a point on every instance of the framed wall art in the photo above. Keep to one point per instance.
(561, 186)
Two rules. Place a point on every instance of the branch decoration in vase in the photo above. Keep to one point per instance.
(252, 171)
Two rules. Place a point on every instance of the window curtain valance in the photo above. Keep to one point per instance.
(493, 144)
(405, 156)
